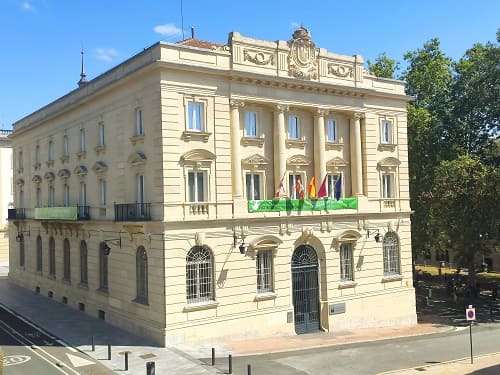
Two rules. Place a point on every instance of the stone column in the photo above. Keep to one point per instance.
(319, 146)
(356, 161)
(279, 145)
(236, 149)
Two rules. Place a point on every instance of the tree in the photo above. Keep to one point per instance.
(383, 66)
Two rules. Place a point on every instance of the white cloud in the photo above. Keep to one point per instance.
(28, 7)
(294, 25)
(106, 54)
(169, 30)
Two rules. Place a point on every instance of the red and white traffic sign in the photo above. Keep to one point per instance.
(470, 313)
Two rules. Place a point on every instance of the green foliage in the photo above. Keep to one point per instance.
(383, 66)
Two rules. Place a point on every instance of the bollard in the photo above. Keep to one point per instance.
(249, 370)
(109, 352)
(126, 361)
(93, 344)
(230, 364)
(150, 368)
(213, 356)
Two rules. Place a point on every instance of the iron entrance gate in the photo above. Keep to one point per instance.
(305, 289)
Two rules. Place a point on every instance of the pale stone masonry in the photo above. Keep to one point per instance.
(169, 196)
(6, 191)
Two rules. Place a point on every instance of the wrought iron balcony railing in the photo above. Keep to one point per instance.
(16, 213)
(133, 212)
(82, 212)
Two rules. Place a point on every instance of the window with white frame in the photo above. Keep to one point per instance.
(141, 271)
(346, 263)
(387, 185)
(51, 196)
(139, 130)
(51, 151)
(264, 264)
(250, 124)
(66, 195)
(293, 127)
(66, 261)
(100, 128)
(391, 254)
(331, 130)
(197, 186)
(253, 186)
(334, 185)
(83, 142)
(386, 132)
(102, 185)
(296, 186)
(195, 116)
(199, 275)
(65, 146)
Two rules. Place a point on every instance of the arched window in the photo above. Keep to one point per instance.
(103, 267)
(39, 254)
(141, 272)
(199, 275)
(21, 251)
(84, 272)
(52, 257)
(391, 254)
(66, 261)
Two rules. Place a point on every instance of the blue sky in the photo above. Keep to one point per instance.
(41, 39)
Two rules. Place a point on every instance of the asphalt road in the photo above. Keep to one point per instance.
(30, 350)
(373, 357)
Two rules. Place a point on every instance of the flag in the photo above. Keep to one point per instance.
(299, 189)
(338, 188)
(281, 189)
(312, 188)
(322, 190)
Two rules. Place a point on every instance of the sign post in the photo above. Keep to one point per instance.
(470, 315)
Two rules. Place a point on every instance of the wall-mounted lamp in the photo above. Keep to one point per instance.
(243, 246)
(21, 233)
(106, 247)
(378, 237)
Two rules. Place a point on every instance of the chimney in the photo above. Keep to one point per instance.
(192, 32)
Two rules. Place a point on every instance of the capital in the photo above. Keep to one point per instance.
(280, 108)
(321, 112)
(358, 115)
(236, 104)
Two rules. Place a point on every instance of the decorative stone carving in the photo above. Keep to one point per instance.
(303, 55)
(258, 58)
(342, 71)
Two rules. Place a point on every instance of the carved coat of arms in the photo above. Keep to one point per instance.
(302, 58)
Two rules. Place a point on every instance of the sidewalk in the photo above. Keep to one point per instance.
(76, 329)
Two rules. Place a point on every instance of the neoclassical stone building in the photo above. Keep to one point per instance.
(200, 190)
(6, 190)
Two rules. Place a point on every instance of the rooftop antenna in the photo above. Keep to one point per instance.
(83, 77)
(182, 22)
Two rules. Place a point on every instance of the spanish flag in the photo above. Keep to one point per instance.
(312, 189)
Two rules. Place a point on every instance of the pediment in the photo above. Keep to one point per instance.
(49, 176)
(337, 162)
(298, 161)
(348, 236)
(389, 162)
(36, 179)
(255, 161)
(80, 170)
(99, 167)
(198, 155)
(64, 173)
(137, 158)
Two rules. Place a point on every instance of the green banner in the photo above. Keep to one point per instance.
(56, 213)
(321, 204)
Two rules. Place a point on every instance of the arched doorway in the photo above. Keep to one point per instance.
(305, 289)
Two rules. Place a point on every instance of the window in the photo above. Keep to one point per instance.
(20, 161)
(293, 127)
(265, 271)
(253, 186)
(101, 134)
(102, 183)
(103, 267)
(331, 130)
(66, 261)
(39, 258)
(38, 196)
(251, 124)
(391, 254)
(140, 188)
(21, 251)
(296, 187)
(138, 122)
(51, 151)
(387, 185)
(52, 257)
(199, 275)
(334, 185)
(84, 271)
(195, 116)
(141, 271)
(197, 186)
(65, 146)
(83, 143)
(346, 263)
(21, 198)
(66, 195)
(386, 132)
(83, 194)
(51, 200)
(37, 154)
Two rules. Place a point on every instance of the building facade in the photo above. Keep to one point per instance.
(200, 190)
(6, 191)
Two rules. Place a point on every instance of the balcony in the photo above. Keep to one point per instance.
(296, 205)
(133, 212)
(72, 213)
(82, 212)
(16, 214)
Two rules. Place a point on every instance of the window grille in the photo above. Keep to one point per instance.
(199, 275)
(346, 263)
(265, 271)
(391, 254)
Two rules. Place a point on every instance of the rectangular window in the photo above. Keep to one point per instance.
(346, 263)
(251, 124)
(37, 154)
(253, 186)
(265, 271)
(101, 134)
(65, 146)
(20, 161)
(296, 186)
(195, 116)
(333, 185)
(51, 201)
(197, 186)
(293, 127)
(83, 145)
(387, 186)
(386, 132)
(140, 188)
(38, 197)
(21, 198)
(102, 183)
(51, 151)
(138, 122)
(66, 195)
(83, 194)
(331, 130)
